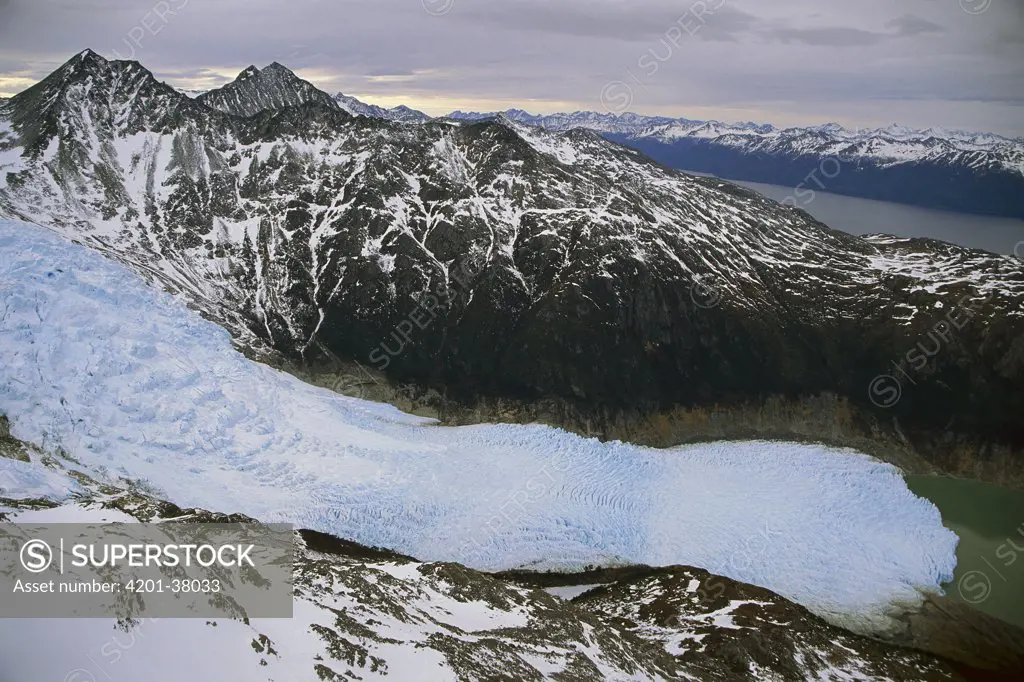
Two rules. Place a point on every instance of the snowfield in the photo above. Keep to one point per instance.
(133, 384)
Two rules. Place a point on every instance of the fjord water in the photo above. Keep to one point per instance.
(867, 216)
(990, 557)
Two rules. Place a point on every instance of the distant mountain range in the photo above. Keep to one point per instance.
(401, 113)
(276, 86)
(938, 168)
(497, 260)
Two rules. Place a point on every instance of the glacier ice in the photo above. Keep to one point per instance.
(133, 384)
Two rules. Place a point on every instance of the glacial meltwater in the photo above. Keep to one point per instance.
(990, 557)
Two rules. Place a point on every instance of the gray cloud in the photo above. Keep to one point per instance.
(727, 24)
(829, 36)
(911, 25)
(785, 61)
(616, 21)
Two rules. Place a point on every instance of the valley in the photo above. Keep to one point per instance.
(538, 404)
(316, 235)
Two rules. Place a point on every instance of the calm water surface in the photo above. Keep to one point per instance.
(990, 557)
(866, 216)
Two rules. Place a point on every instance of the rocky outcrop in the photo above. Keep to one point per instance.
(11, 447)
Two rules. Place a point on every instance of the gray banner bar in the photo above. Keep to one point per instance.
(153, 570)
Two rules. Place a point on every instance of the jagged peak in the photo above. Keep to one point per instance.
(278, 67)
(272, 71)
(86, 57)
(272, 87)
(89, 63)
(248, 72)
(83, 64)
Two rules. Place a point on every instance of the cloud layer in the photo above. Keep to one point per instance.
(916, 62)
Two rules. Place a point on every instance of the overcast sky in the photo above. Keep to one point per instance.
(955, 63)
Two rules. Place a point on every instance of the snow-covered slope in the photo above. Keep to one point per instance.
(401, 113)
(128, 379)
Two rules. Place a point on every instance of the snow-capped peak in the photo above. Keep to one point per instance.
(892, 144)
(400, 113)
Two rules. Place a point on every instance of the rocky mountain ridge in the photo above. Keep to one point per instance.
(400, 113)
(889, 143)
(935, 167)
(276, 86)
(499, 259)
(256, 90)
(938, 168)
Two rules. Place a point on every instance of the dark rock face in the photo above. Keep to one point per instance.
(254, 91)
(10, 447)
(495, 260)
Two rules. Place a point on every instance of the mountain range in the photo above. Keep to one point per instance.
(935, 168)
(496, 261)
(939, 168)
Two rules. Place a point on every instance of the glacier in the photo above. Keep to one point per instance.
(133, 384)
